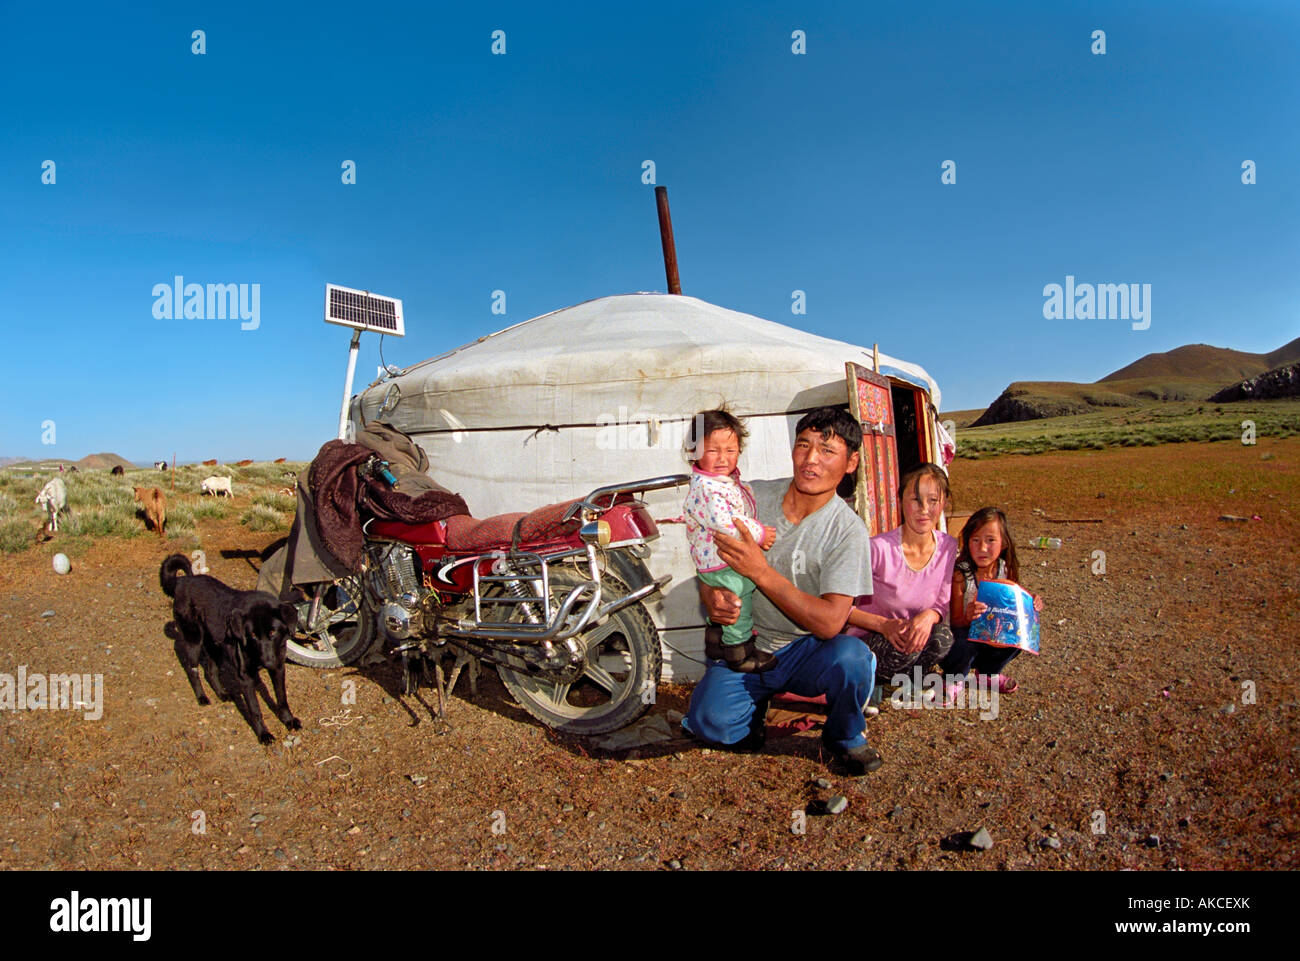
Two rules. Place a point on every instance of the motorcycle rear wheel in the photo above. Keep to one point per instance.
(622, 675)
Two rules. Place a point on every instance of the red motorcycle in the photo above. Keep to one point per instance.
(553, 598)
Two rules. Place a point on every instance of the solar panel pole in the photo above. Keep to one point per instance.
(347, 384)
(360, 310)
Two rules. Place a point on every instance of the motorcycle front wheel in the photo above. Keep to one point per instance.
(344, 628)
(622, 673)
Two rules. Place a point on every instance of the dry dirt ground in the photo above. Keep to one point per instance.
(1165, 702)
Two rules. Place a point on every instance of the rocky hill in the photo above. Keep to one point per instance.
(1279, 382)
(1191, 372)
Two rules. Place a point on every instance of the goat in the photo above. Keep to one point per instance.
(217, 485)
(54, 498)
(155, 507)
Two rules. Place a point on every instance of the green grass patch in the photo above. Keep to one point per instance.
(259, 517)
(16, 535)
(1142, 426)
(210, 508)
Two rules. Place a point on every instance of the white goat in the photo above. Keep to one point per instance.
(54, 498)
(217, 486)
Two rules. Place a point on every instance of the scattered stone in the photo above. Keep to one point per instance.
(257, 819)
(354, 830)
(242, 849)
(1165, 776)
(675, 864)
(1152, 841)
(981, 840)
(1228, 709)
(566, 807)
(417, 779)
(1049, 842)
(896, 813)
(675, 716)
(679, 794)
(280, 855)
(837, 804)
(823, 783)
(47, 613)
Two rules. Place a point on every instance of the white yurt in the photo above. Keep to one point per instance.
(602, 392)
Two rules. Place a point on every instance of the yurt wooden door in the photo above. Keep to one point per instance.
(872, 403)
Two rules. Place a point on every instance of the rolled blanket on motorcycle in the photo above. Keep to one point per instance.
(322, 556)
(342, 494)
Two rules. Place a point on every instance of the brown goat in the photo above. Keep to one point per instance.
(155, 507)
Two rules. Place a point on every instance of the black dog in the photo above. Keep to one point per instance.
(233, 634)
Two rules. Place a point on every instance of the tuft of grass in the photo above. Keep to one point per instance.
(112, 520)
(259, 517)
(210, 508)
(274, 500)
(16, 535)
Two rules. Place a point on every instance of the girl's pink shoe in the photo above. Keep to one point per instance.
(1006, 685)
(950, 691)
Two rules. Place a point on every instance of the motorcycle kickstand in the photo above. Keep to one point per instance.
(442, 696)
(463, 660)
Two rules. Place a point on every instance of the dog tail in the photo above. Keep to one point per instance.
(170, 568)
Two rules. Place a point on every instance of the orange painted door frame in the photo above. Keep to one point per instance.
(872, 403)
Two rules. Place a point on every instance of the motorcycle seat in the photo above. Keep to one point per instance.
(466, 535)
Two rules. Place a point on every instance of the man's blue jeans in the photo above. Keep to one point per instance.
(843, 668)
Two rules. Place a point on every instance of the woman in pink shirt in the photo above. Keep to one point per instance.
(905, 620)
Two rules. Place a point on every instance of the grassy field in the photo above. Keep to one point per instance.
(1138, 426)
(102, 505)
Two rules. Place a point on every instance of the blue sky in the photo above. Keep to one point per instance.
(522, 172)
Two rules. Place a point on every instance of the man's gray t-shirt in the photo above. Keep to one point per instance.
(828, 552)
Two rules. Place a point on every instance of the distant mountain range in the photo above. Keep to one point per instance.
(1192, 372)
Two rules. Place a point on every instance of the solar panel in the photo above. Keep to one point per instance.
(363, 310)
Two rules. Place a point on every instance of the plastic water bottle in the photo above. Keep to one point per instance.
(1045, 543)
